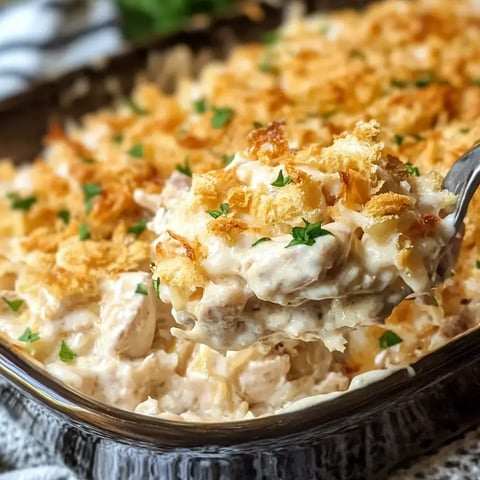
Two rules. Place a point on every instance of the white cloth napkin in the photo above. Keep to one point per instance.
(41, 38)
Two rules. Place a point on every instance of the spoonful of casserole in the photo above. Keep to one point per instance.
(300, 243)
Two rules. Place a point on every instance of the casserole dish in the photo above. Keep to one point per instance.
(363, 434)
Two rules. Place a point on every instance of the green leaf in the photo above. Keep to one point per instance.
(477, 264)
(389, 339)
(185, 168)
(399, 139)
(64, 215)
(141, 290)
(83, 232)
(200, 105)
(221, 116)
(137, 228)
(135, 107)
(464, 130)
(224, 208)
(258, 125)
(136, 151)
(428, 78)
(412, 170)
(13, 304)
(227, 159)
(21, 203)
(88, 160)
(28, 336)
(476, 82)
(281, 181)
(398, 83)
(261, 240)
(271, 38)
(117, 138)
(306, 235)
(156, 286)
(66, 354)
(90, 191)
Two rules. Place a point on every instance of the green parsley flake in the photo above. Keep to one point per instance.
(476, 82)
(13, 304)
(399, 139)
(224, 208)
(265, 66)
(412, 170)
(428, 78)
(306, 235)
(66, 354)
(221, 116)
(281, 181)
(64, 215)
(141, 290)
(88, 160)
(83, 232)
(90, 191)
(389, 339)
(136, 151)
(117, 138)
(135, 107)
(21, 203)
(477, 264)
(464, 130)
(257, 125)
(418, 137)
(156, 286)
(227, 159)
(328, 115)
(185, 168)
(271, 37)
(398, 83)
(28, 336)
(261, 240)
(200, 105)
(137, 228)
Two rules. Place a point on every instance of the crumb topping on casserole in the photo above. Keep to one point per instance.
(248, 140)
(302, 243)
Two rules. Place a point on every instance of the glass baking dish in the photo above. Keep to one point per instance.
(365, 433)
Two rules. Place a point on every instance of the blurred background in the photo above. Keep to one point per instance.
(42, 38)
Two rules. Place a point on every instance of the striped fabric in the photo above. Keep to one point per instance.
(42, 38)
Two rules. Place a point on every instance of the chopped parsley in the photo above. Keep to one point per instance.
(389, 339)
(398, 83)
(141, 290)
(135, 107)
(185, 168)
(136, 151)
(306, 235)
(64, 215)
(156, 286)
(257, 125)
(117, 138)
(90, 191)
(476, 82)
(224, 208)
(137, 228)
(66, 354)
(88, 160)
(428, 78)
(28, 336)
(265, 66)
(399, 139)
(21, 203)
(221, 116)
(227, 159)
(83, 232)
(412, 170)
(463, 130)
(418, 137)
(328, 115)
(477, 264)
(13, 304)
(200, 105)
(271, 37)
(261, 240)
(281, 181)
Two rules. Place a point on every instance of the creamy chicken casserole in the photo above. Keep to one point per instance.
(224, 252)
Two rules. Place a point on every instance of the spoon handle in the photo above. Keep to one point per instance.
(463, 180)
